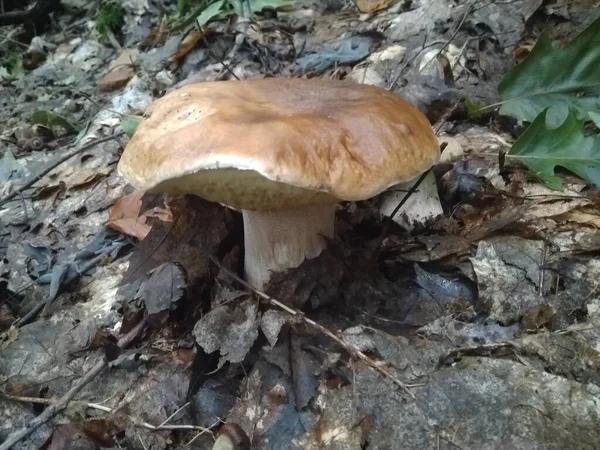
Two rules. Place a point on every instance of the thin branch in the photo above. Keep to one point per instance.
(57, 163)
(49, 401)
(469, 10)
(351, 349)
(61, 404)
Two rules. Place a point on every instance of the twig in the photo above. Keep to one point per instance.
(445, 44)
(149, 426)
(469, 10)
(49, 401)
(57, 163)
(215, 56)
(168, 419)
(202, 432)
(61, 404)
(351, 349)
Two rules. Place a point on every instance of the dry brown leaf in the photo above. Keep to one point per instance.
(369, 6)
(125, 216)
(193, 219)
(585, 217)
(189, 43)
(86, 178)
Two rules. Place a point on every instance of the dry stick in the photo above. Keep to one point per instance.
(149, 426)
(469, 10)
(423, 47)
(297, 313)
(57, 163)
(215, 56)
(61, 404)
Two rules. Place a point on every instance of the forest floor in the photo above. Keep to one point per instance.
(477, 330)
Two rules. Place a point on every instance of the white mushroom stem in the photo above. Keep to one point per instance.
(279, 240)
(422, 206)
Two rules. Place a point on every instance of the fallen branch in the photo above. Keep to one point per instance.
(55, 164)
(351, 349)
(61, 404)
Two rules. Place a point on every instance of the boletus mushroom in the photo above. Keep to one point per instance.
(284, 152)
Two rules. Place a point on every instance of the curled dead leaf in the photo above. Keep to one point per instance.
(125, 216)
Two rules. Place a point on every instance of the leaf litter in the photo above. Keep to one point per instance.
(489, 313)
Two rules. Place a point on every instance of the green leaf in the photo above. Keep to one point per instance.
(49, 119)
(130, 124)
(475, 109)
(542, 149)
(212, 11)
(569, 76)
(257, 6)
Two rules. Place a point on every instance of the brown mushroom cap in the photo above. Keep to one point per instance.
(272, 143)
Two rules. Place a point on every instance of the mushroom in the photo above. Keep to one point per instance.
(284, 151)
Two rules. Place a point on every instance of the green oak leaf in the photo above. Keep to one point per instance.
(541, 149)
(568, 77)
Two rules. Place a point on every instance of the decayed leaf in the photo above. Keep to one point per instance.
(49, 119)
(585, 217)
(542, 149)
(125, 216)
(566, 77)
(86, 178)
(193, 219)
(369, 6)
(159, 292)
(230, 329)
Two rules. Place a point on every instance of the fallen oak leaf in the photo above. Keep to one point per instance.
(125, 216)
(567, 78)
(541, 149)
